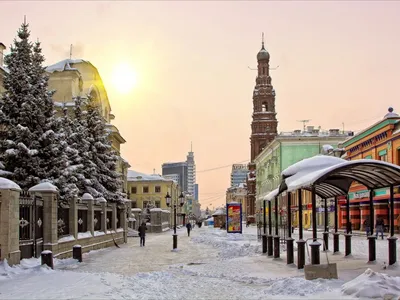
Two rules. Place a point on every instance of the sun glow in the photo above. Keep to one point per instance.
(124, 78)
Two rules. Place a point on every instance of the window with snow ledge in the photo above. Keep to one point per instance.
(157, 189)
(133, 190)
(145, 190)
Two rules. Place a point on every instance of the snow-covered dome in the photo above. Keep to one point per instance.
(262, 54)
(391, 114)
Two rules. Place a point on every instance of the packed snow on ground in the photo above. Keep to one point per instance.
(210, 264)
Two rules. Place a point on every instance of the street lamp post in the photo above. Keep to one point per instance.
(174, 205)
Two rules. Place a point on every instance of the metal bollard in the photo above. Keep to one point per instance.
(77, 252)
(264, 243)
(47, 258)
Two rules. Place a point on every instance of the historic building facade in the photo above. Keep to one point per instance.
(264, 123)
(381, 141)
(71, 78)
(285, 150)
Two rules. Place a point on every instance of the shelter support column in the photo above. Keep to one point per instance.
(300, 243)
(289, 240)
(315, 245)
(348, 229)
(264, 236)
(326, 231)
(269, 237)
(276, 237)
(392, 239)
(371, 237)
(336, 234)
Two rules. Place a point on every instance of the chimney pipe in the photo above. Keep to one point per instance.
(2, 48)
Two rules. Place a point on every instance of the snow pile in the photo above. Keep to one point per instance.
(298, 286)
(371, 284)
(230, 245)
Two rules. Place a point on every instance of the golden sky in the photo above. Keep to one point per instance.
(338, 62)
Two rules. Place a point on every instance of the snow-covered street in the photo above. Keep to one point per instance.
(211, 264)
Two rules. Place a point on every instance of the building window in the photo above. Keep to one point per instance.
(157, 204)
(145, 204)
(263, 70)
(264, 107)
(133, 190)
(145, 190)
(158, 189)
(383, 157)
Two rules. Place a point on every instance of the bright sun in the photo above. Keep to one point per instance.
(124, 78)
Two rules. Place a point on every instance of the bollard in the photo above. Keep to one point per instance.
(315, 260)
(392, 250)
(289, 251)
(336, 242)
(301, 257)
(77, 252)
(47, 258)
(270, 245)
(371, 248)
(264, 243)
(347, 242)
(174, 241)
(277, 251)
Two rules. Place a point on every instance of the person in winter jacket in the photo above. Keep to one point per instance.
(379, 227)
(188, 227)
(367, 226)
(142, 233)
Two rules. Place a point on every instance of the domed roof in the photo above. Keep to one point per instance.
(262, 54)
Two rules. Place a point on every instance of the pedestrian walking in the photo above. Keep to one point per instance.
(142, 233)
(189, 228)
(379, 227)
(367, 226)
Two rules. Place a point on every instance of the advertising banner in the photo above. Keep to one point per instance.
(234, 217)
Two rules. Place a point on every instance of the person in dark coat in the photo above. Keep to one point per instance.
(367, 226)
(188, 227)
(379, 225)
(142, 233)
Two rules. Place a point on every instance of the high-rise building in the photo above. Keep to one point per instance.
(191, 176)
(196, 192)
(238, 174)
(264, 124)
(178, 170)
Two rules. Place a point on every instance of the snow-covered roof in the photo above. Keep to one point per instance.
(5, 69)
(64, 65)
(219, 212)
(137, 176)
(6, 184)
(371, 173)
(44, 187)
(271, 195)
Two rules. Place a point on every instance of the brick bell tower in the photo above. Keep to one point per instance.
(264, 124)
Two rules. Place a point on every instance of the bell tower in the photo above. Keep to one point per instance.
(264, 124)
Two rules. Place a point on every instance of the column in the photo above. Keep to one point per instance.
(9, 223)
(90, 216)
(49, 195)
(103, 203)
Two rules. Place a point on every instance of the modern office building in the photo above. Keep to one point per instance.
(238, 174)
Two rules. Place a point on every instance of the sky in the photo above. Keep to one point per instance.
(338, 63)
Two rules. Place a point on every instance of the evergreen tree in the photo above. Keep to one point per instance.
(21, 115)
(106, 180)
(71, 174)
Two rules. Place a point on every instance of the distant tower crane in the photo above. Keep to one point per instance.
(304, 123)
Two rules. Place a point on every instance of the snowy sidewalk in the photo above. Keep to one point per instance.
(211, 264)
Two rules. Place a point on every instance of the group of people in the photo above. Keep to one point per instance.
(379, 226)
(142, 232)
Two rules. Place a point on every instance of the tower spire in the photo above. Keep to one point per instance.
(24, 19)
(191, 146)
(262, 41)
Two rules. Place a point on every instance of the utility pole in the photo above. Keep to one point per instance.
(70, 51)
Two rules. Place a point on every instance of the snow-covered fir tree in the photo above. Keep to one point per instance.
(106, 180)
(70, 176)
(52, 159)
(21, 116)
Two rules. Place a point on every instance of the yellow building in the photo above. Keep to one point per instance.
(71, 78)
(151, 189)
(238, 194)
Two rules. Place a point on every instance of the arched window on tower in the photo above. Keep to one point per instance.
(264, 107)
(263, 70)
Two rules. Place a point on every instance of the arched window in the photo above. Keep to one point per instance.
(263, 68)
(264, 107)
